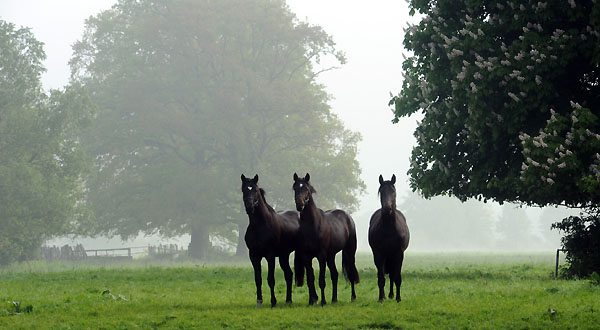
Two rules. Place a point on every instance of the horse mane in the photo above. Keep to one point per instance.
(311, 188)
(263, 194)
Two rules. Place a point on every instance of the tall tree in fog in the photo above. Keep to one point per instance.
(443, 223)
(509, 97)
(194, 93)
(41, 160)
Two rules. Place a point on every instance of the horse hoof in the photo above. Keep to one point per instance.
(380, 300)
(259, 305)
(323, 303)
(353, 298)
(391, 296)
(398, 299)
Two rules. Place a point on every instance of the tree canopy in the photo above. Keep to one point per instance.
(510, 98)
(193, 93)
(42, 162)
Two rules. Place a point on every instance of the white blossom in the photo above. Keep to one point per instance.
(473, 87)
(513, 96)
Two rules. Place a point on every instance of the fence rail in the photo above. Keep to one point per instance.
(95, 251)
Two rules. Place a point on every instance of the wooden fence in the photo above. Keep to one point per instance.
(78, 252)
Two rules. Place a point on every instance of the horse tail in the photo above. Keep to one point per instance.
(299, 268)
(348, 259)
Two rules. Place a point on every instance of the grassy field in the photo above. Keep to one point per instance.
(439, 291)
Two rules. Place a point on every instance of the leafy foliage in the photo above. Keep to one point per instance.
(193, 93)
(509, 97)
(42, 163)
(581, 240)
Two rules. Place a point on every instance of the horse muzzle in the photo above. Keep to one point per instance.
(301, 203)
(387, 209)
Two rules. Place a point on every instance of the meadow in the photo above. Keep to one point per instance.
(439, 291)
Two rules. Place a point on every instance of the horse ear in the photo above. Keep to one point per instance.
(255, 178)
(243, 177)
(380, 179)
(393, 178)
(307, 177)
(295, 176)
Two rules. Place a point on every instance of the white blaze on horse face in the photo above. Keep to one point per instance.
(301, 185)
(249, 188)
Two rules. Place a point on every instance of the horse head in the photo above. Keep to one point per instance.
(387, 194)
(251, 193)
(302, 191)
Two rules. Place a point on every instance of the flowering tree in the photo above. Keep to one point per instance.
(510, 97)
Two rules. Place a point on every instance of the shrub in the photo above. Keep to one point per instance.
(582, 241)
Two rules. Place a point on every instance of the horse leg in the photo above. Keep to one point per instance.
(271, 278)
(398, 275)
(380, 264)
(310, 282)
(284, 262)
(257, 278)
(334, 278)
(391, 295)
(322, 270)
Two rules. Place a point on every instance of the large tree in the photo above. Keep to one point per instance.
(42, 163)
(194, 93)
(510, 98)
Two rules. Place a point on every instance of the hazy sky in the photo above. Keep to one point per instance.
(370, 35)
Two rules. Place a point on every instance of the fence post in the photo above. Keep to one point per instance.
(556, 267)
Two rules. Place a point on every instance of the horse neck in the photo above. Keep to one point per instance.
(262, 211)
(310, 214)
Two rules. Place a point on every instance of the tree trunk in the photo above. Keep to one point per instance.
(199, 243)
(242, 249)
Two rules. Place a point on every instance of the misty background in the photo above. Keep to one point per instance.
(371, 38)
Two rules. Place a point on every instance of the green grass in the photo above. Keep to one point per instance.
(439, 291)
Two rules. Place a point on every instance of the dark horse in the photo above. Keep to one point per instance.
(270, 234)
(388, 237)
(323, 234)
